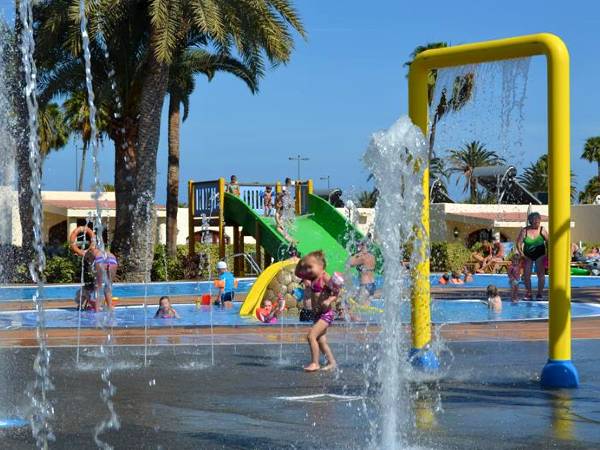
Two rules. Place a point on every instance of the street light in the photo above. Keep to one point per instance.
(298, 158)
(326, 177)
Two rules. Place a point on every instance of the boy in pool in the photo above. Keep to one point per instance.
(86, 298)
(494, 302)
(514, 276)
(225, 284)
(267, 313)
(165, 310)
(455, 278)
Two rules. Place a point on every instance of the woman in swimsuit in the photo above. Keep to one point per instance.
(531, 244)
(364, 261)
(312, 267)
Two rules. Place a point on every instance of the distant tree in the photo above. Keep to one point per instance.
(52, 131)
(462, 92)
(465, 160)
(591, 151)
(590, 191)
(108, 187)
(181, 85)
(77, 117)
(535, 177)
(367, 199)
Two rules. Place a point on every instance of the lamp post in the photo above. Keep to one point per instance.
(326, 177)
(298, 158)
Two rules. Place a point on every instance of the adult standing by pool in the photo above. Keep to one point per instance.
(364, 261)
(531, 244)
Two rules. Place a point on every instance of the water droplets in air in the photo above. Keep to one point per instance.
(41, 408)
(397, 158)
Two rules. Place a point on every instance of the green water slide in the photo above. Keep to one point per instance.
(321, 228)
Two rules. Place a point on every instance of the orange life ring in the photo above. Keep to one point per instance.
(89, 234)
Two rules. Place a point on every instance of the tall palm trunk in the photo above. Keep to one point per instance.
(135, 176)
(173, 175)
(82, 169)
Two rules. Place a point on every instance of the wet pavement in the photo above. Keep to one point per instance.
(256, 396)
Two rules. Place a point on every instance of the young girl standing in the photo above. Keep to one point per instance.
(323, 291)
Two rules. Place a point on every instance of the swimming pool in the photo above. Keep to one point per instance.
(501, 280)
(187, 288)
(121, 290)
(442, 311)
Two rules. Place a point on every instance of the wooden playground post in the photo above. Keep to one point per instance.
(258, 246)
(191, 211)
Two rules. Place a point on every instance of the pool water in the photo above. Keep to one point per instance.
(442, 311)
(187, 288)
(122, 290)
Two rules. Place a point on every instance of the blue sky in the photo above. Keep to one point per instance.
(347, 80)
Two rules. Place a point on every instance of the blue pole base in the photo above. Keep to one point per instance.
(559, 374)
(423, 359)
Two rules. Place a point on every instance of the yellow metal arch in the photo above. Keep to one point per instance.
(557, 58)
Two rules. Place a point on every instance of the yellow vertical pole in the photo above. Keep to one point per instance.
(559, 203)
(222, 218)
(191, 228)
(559, 371)
(420, 313)
(310, 186)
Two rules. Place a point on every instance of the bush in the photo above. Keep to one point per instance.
(62, 269)
(448, 256)
(184, 267)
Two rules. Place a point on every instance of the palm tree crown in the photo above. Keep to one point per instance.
(591, 151)
(535, 176)
(464, 161)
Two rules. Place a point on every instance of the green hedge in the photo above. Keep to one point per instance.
(66, 268)
(448, 256)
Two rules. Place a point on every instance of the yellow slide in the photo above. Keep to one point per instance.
(260, 286)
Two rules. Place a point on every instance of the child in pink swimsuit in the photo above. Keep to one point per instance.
(323, 292)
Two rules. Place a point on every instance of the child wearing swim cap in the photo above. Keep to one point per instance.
(323, 291)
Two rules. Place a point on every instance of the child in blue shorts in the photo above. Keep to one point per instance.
(226, 285)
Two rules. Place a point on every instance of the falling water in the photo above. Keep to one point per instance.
(8, 146)
(396, 158)
(42, 410)
(493, 113)
(109, 390)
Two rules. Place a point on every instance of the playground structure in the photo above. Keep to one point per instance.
(559, 372)
(318, 225)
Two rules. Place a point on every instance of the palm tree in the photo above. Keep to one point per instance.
(535, 177)
(432, 77)
(367, 199)
(462, 92)
(77, 117)
(465, 160)
(591, 151)
(52, 130)
(181, 86)
(590, 191)
(144, 39)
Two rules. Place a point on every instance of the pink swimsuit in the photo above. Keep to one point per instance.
(318, 286)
